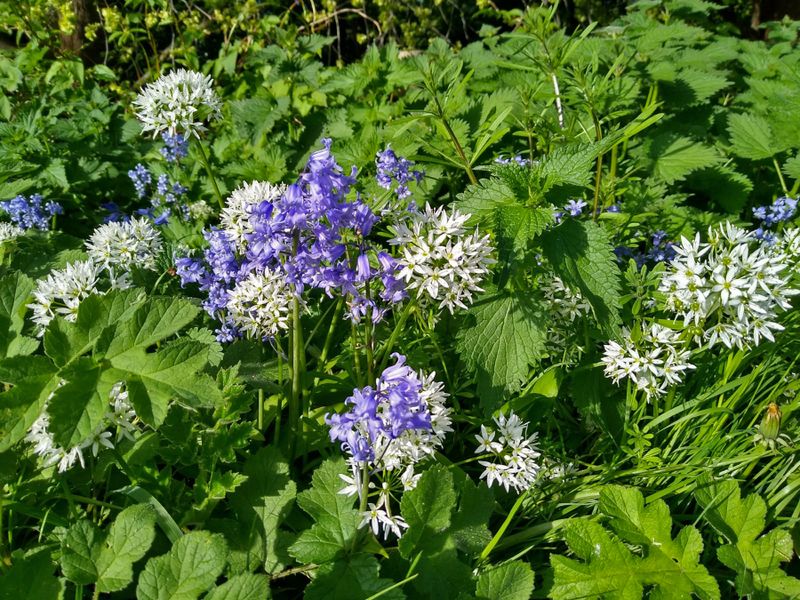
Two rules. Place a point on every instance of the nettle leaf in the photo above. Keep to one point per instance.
(91, 556)
(510, 581)
(31, 577)
(353, 579)
(482, 199)
(247, 586)
(581, 253)
(676, 157)
(15, 289)
(755, 559)
(261, 504)
(792, 167)
(65, 341)
(516, 226)
(609, 569)
(336, 521)
(156, 320)
(189, 569)
(752, 137)
(503, 334)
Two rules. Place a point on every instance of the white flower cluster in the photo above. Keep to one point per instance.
(654, 362)
(9, 231)
(235, 217)
(516, 455)
(178, 102)
(260, 304)
(62, 291)
(440, 259)
(119, 246)
(120, 416)
(786, 250)
(565, 307)
(725, 290)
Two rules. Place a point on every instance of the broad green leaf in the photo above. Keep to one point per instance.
(582, 255)
(675, 157)
(482, 199)
(443, 575)
(427, 510)
(79, 550)
(336, 521)
(156, 320)
(247, 586)
(792, 167)
(353, 579)
(15, 290)
(263, 502)
(64, 341)
(503, 334)
(189, 569)
(475, 507)
(739, 520)
(129, 538)
(78, 407)
(31, 577)
(751, 137)
(510, 581)
(517, 226)
(22, 404)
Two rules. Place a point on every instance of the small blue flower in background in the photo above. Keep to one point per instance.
(29, 213)
(166, 197)
(141, 178)
(398, 169)
(781, 210)
(575, 207)
(518, 159)
(175, 147)
(661, 250)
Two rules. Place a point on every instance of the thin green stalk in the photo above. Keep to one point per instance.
(368, 340)
(326, 347)
(387, 349)
(393, 586)
(780, 176)
(207, 165)
(297, 366)
(356, 358)
(260, 416)
(96, 593)
(453, 138)
(497, 536)
(362, 505)
(279, 409)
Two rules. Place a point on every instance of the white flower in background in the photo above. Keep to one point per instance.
(441, 262)
(200, 211)
(729, 290)
(120, 416)
(119, 246)
(62, 291)
(259, 305)
(516, 457)
(9, 231)
(565, 305)
(235, 217)
(178, 102)
(653, 363)
(380, 519)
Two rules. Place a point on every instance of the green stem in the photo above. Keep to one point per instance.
(207, 165)
(96, 593)
(279, 408)
(401, 321)
(368, 341)
(780, 176)
(497, 536)
(453, 138)
(356, 358)
(362, 505)
(260, 417)
(297, 366)
(326, 347)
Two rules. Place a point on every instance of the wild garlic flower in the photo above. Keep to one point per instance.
(380, 519)
(565, 305)
(61, 292)
(726, 291)
(441, 262)
(9, 231)
(119, 421)
(178, 102)
(235, 217)
(654, 362)
(259, 306)
(117, 247)
(516, 457)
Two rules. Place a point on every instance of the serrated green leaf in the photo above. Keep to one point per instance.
(79, 549)
(792, 167)
(516, 227)
(21, 406)
(676, 157)
(482, 199)
(353, 579)
(502, 335)
(15, 289)
(78, 407)
(31, 577)
(263, 502)
(247, 586)
(336, 521)
(129, 538)
(582, 255)
(751, 137)
(427, 509)
(190, 568)
(510, 581)
(475, 507)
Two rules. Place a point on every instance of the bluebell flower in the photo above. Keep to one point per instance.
(575, 207)
(518, 159)
(782, 209)
(175, 147)
(28, 212)
(393, 169)
(614, 208)
(141, 178)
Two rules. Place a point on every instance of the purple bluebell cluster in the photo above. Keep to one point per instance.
(166, 198)
(781, 210)
(30, 212)
(396, 171)
(518, 160)
(175, 147)
(314, 236)
(383, 413)
(660, 250)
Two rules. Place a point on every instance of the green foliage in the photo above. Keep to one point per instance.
(511, 581)
(31, 577)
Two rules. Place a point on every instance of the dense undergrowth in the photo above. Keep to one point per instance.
(511, 319)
